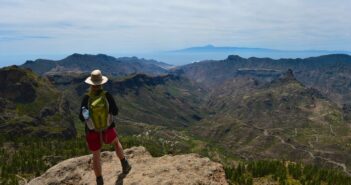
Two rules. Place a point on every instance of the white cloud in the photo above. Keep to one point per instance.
(147, 25)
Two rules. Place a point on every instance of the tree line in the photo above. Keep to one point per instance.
(285, 173)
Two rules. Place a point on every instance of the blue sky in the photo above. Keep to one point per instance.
(53, 29)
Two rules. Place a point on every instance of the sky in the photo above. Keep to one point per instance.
(56, 28)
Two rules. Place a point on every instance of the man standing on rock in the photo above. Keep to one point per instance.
(97, 110)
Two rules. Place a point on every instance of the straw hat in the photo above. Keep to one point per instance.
(96, 78)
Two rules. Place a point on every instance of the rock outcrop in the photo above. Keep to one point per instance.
(179, 169)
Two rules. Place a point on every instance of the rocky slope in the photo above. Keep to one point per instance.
(179, 169)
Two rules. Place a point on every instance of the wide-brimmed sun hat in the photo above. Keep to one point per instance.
(96, 78)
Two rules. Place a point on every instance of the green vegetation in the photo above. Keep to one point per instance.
(285, 173)
(29, 157)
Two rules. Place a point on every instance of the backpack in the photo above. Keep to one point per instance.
(99, 110)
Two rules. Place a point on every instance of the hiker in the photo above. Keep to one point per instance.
(97, 110)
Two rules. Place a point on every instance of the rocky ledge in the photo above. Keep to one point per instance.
(178, 169)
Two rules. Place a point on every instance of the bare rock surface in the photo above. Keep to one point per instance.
(185, 169)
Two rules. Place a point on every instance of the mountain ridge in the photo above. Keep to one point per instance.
(80, 63)
(199, 53)
(233, 49)
(329, 74)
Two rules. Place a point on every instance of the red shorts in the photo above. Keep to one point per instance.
(94, 140)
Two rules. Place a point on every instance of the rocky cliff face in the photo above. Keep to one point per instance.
(180, 169)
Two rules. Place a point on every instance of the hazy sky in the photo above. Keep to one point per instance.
(59, 27)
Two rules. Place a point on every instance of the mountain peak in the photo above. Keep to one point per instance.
(287, 77)
(234, 57)
(77, 56)
(74, 56)
(145, 169)
(209, 46)
(289, 74)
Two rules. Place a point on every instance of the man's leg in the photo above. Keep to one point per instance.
(111, 137)
(118, 149)
(94, 145)
(96, 163)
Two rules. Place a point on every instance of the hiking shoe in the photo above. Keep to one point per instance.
(99, 180)
(125, 166)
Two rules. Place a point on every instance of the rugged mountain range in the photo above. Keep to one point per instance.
(255, 108)
(278, 119)
(329, 74)
(78, 63)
